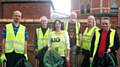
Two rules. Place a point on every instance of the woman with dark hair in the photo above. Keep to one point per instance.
(60, 41)
(59, 23)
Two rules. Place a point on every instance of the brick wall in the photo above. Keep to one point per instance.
(95, 3)
(96, 8)
(0, 10)
(29, 10)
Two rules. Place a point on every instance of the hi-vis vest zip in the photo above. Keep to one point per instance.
(87, 38)
(42, 40)
(58, 42)
(111, 44)
(77, 31)
(15, 43)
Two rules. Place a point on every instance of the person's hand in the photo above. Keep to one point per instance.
(26, 57)
(36, 51)
(49, 48)
(68, 58)
(91, 59)
(3, 58)
(108, 50)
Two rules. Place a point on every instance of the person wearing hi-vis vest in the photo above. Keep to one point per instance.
(86, 40)
(41, 40)
(59, 42)
(14, 43)
(105, 40)
(73, 29)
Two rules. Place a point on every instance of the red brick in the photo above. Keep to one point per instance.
(29, 10)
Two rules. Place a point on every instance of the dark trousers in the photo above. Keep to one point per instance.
(41, 64)
(86, 60)
(65, 62)
(105, 61)
(40, 56)
(13, 58)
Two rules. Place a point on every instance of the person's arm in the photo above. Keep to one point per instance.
(49, 40)
(80, 35)
(26, 44)
(116, 43)
(92, 49)
(3, 57)
(25, 47)
(35, 41)
(3, 46)
(3, 39)
(68, 47)
(26, 39)
(92, 45)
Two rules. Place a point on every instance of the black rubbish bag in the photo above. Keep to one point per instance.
(23, 60)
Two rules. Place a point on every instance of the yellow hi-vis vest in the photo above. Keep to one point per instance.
(111, 44)
(42, 40)
(58, 42)
(87, 38)
(15, 43)
(77, 25)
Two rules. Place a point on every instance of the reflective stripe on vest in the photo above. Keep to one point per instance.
(14, 47)
(12, 42)
(77, 31)
(112, 35)
(42, 40)
(87, 38)
(60, 45)
(15, 42)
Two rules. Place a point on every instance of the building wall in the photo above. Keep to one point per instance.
(119, 12)
(96, 6)
(76, 5)
(119, 17)
(29, 10)
(0, 10)
(103, 6)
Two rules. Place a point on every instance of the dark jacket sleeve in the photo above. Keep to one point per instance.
(80, 30)
(35, 41)
(92, 45)
(26, 34)
(116, 42)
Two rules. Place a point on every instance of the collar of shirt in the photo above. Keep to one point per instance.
(15, 25)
